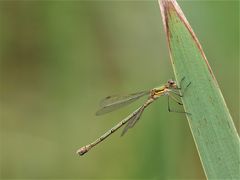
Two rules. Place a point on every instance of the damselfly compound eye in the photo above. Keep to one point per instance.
(171, 82)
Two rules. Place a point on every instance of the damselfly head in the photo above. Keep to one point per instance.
(172, 84)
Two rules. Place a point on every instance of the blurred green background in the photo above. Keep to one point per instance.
(59, 58)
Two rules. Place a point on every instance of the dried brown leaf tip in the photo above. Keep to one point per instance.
(171, 8)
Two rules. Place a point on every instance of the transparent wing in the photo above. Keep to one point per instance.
(112, 103)
(134, 119)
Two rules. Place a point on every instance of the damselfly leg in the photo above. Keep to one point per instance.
(178, 94)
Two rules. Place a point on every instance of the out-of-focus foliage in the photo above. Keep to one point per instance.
(58, 59)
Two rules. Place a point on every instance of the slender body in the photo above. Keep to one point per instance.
(110, 102)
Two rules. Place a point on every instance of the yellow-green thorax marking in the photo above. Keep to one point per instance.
(164, 89)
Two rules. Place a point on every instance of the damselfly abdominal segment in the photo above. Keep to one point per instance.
(111, 103)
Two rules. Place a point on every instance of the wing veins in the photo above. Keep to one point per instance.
(133, 120)
(112, 103)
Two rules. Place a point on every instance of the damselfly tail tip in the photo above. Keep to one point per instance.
(83, 150)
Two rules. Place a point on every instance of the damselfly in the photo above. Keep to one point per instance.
(111, 103)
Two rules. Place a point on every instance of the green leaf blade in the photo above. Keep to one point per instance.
(211, 124)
